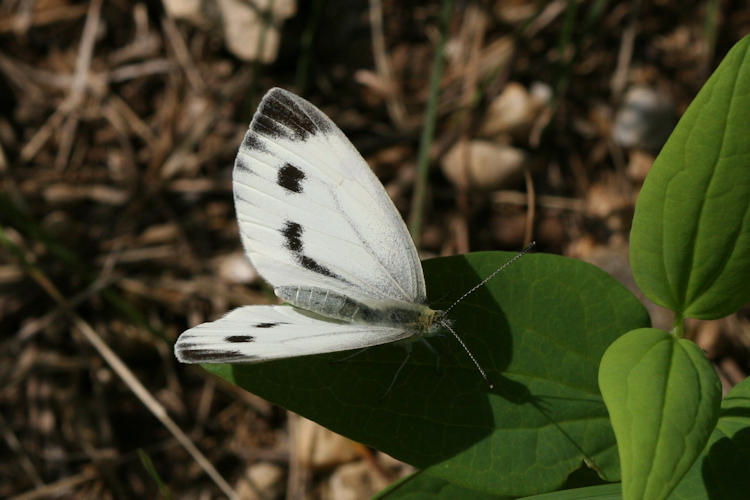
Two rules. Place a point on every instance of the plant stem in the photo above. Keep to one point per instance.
(306, 47)
(678, 326)
(428, 129)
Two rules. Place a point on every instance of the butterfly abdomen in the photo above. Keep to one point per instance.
(337, 306)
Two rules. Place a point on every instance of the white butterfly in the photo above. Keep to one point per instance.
(317, 225)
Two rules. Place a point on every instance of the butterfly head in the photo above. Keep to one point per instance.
(432, 321)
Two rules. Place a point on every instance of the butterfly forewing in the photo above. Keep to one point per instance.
(312, 213)
(319, 227)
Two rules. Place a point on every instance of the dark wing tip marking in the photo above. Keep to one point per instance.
(289, 178)
(282, 115)
(285, 115)
(266, 126)
(241, 164)
(252, 142)
(268, 325)
(189, 355)
(239, 338)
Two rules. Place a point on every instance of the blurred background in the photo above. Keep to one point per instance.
(119, 125)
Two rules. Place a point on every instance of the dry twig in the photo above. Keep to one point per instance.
(126, 375)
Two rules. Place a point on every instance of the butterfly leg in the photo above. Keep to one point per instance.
(435, 352)
(398, 372)
(354, 354)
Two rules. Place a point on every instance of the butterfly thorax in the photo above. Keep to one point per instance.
(415, 317)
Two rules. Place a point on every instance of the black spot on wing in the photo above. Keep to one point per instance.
(292, 232)
(268, 325)
(314, 266)
(289, 178)
(239, 338)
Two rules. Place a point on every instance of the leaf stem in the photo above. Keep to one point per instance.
(678, 326)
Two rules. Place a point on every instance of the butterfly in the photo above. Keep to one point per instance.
(317, 224)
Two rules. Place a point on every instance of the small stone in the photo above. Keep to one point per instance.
(514, 111)
(484, 165)
(235, 268)
(251, 29)
(246, 32)
(190, 10)
(261, 480)
(353, 481)
(319, 448)
(645, 119)
(639, 164)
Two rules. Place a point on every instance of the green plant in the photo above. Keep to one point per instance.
(541, 331)
(690, 252)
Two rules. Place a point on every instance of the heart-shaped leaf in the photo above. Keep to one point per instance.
(663, 398)
(539, 329)
(598, 492)
(722, 469)
(421, 486)
(690, 241)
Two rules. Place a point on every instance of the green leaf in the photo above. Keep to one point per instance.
(598, 492)
(722, 469)
(690, 241)
(149, 466)
(421, 486)
(663, 399)
(539, 329)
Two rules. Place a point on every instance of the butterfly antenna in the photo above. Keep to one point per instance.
(485, 280)
(473, 359)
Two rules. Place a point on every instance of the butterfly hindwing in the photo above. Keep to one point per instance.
(254, 334)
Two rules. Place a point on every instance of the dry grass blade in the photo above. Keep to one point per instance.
(14, 444)
(531, 205)
(118, 129)
(396, 108)
(546, 201)
(42, 135)
(182, 54)
(625, 55)
(42, 17)
(58, 488)
(79, 83)
(85, 52)
(31, 328)
(121, 369)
